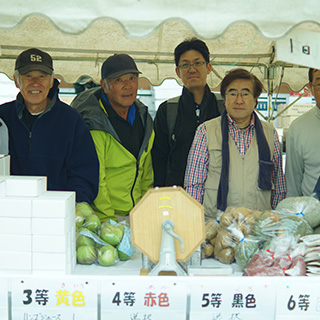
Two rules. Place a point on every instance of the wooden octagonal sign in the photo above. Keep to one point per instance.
(160, 204)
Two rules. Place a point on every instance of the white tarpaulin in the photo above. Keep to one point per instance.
(80, 34)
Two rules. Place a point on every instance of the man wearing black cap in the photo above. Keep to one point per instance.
(122, 130)
(47, 137)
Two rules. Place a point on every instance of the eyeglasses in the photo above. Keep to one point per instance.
(187, 66)
(245, 95)
(316, 87)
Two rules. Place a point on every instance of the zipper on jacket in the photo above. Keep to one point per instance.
(30, 141)
(134, 183)
(243, 181)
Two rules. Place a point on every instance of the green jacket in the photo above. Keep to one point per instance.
(123, 178)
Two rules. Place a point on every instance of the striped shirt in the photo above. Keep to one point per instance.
(198, 161)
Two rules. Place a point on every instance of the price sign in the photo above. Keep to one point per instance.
(298, 298)
(146, 298)
(232, 298)
(54, 299)
(3, 299)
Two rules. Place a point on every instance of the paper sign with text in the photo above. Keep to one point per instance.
(228, 298)
(297, 299)
(300, 47)
(54, 299)
(146, 298)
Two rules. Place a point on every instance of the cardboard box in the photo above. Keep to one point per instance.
(15, 243)
(25, 186)
(54, 204)
(51, 226)
(15, 226)
(15, 207)
(50, 244)
(16, 260)
(49, 261)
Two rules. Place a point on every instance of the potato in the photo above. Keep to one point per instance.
(225, 255)
(211, 228)
(207, 249)
(213, 241)
(226, 219)
(250, 219)
(247, 228)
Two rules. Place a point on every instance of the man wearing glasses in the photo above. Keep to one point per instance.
(302, 146)
(236, 160)
(178, 118)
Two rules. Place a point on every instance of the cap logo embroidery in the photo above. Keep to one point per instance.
(35, 58)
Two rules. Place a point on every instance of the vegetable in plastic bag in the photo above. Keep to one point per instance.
(308, 207)
(97, 251)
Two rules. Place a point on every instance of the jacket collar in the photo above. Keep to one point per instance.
(53, 95)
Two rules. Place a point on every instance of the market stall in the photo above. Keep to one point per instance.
(42, 275)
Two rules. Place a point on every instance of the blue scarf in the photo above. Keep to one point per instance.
(266, 166)
(131, 112)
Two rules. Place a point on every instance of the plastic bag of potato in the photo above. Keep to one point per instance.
(221, 238)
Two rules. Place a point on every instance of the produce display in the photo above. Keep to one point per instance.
(224, 234)
(255, 240)
(284, 258)
(102, 243)
(307, 207)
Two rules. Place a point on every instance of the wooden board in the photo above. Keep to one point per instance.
(160, 204)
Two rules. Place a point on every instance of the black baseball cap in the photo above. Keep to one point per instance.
(118, 65)
(34, 59)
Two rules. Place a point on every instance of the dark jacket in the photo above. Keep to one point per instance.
(59, 146)
(170, 158)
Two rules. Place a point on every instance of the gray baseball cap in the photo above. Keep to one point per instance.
(118, 65)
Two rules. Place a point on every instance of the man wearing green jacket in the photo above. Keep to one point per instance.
(122, 130)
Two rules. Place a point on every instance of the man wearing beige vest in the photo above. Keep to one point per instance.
(236, 159)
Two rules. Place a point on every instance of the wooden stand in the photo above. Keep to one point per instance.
(160, 204)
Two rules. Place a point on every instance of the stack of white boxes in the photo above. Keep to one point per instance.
(37, 227)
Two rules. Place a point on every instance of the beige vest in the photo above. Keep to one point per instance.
(243, 171)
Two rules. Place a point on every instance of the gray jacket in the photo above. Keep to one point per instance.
(4, 138)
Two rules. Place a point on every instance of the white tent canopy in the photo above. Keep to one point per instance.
(80, 34)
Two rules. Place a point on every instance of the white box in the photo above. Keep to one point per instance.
(15, 226)
(2, 188)
(25, 186)
(54, 204)
(4, 165)
(51, 226)
(12, 207)
(16, 260)
(49, 261)
(53, 244)
(15, 243)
